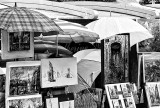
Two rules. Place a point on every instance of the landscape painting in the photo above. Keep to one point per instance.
(152, 93)
(32, 101)
(23, 78)
(58, 72)
(151, 66)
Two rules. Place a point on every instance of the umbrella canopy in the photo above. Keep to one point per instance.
(72, 32)
(110, 26)
(43, 46)
(17, 19)
(89, 67)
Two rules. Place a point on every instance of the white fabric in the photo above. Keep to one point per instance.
(110, 26)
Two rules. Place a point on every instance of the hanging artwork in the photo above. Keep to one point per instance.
(115, 58)
(22, 78)
(30, 101)
(58, 72)
(17, 44)
(152, 93)
(123, 92)
(151, 67)
(2, 90)
(52, 103)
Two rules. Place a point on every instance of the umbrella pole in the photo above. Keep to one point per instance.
(57, 46)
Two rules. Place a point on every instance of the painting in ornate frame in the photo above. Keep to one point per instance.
(152, 90)
(30, 101)
(58, 72)
(22, 78)
(115, 58)
(121, 101)
(151, 67)
(13, 48)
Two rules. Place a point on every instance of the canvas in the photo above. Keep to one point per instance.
(123, 92)
(152, 90)
(17, 45)
(22, 78)
(57, 72)
(115, 62)
(52, 103)
(30, 101)
(151, 67)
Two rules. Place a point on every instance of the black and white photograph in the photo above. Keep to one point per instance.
(113, 91)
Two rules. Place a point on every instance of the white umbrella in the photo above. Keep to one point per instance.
(110, 26)
(72, 32)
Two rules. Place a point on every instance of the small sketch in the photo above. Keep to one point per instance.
(126, 90)
(113, 91)
(117, 103)
(19, 41)
(58, 72)
(52, 103)
(67, 104)
(30, 102)
(129, 102)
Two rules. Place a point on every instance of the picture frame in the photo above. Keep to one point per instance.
(152, 90)
(12, 48)
(30, 101)
(58, 72)
(121, 102)
(22, 78)
(151, 63)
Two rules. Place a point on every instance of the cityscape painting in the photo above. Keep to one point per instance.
(31, 101)
(58, 72)
(23, 78)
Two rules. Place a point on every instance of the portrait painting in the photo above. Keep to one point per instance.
(57, 72)
(52, 103)
(117, 103)
(30, 101)
(152, 93)
(17, 44)
(151, 64)
(129, 102)
(113, 91)
(126, 90)
(23, 78)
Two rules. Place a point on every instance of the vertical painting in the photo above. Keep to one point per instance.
(152, 93)
(58, 72)
(52, 103)
(23, 78)
(17, 44)
(115, 58)
(2, 90)
(32, 101)
(126, 91)
(151, 67)
(129, 103)
(19, 41)
(113, 91)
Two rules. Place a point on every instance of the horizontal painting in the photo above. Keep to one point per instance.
(31, 101)
(23, 78)
(17, 44)
(153, 94)
(58, 72)
(151, 67)
(67, 104)
(117, 103)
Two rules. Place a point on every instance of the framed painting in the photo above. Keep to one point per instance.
(151, 67)
(30, 101)
(125, 97)
(17, 45)
(2, 90)
(115, 62)
(152, 90)
(22, 78)
(58, 72)
(52, 102)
